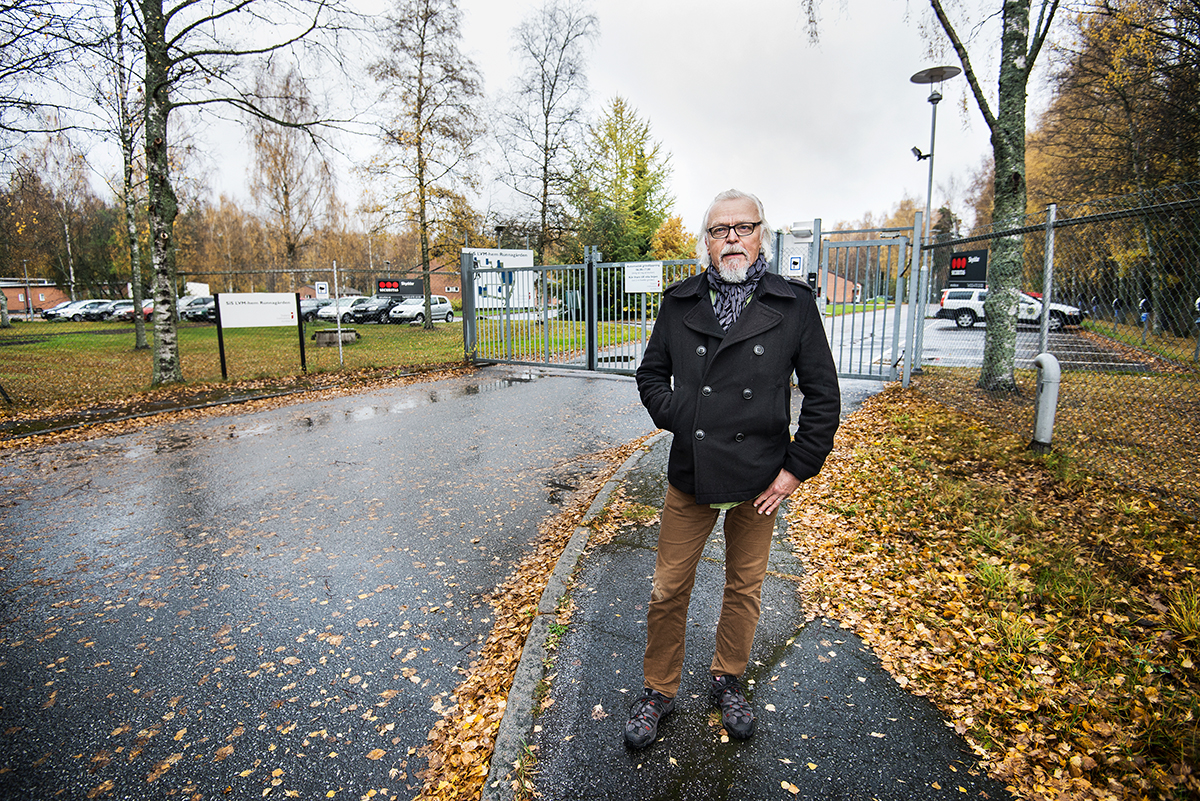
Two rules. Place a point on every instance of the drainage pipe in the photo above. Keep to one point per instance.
(1049, 375)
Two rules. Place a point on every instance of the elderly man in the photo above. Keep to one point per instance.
(717, 374)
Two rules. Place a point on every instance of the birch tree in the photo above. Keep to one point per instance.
(431, 92)
(37, 38)
(1020, 45)
(194, 54)
(545, 118)
(291, 179)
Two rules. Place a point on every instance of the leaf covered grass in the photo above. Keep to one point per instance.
(1141, 429)
(63, 365)
(1052, 616)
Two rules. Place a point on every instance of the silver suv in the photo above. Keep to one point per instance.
(412, 310)
(965, 308)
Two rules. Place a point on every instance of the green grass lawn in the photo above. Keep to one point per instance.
(50, 364)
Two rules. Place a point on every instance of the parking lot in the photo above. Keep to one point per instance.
(947, 345)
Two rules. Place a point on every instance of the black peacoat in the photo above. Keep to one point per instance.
(726, 395)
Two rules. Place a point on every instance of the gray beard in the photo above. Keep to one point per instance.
(733, 275)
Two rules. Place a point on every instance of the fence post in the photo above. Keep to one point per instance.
(467, 266)
(1047, 278)
(590, 257)
(914, 284)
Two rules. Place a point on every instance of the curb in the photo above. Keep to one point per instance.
(517, 722)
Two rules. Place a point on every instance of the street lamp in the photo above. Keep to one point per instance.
(930, 75)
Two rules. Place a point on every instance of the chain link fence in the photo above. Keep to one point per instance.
(1129, 269)
(49, 364)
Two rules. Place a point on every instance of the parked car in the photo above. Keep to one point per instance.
(965, 308)
(187, 303)
(412, 310)
(340, 309)
(374, 310)
(127, 313)
(118, 308)
(310, 306)
(53, 311)
(95, 311)
(200, 309)
(64, 311)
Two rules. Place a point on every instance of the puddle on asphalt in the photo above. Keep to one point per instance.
(419, 399)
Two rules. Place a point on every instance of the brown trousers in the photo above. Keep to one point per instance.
(683, 532)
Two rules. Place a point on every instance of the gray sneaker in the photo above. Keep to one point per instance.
(736, 713)
(644, 715)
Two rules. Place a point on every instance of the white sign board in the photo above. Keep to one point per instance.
(257, 309)
(322, 289)
(643, 276)
(795, 267)
(496, 286)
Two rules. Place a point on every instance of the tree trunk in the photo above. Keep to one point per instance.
(1008, 253)
(126, 133)
(162, 206)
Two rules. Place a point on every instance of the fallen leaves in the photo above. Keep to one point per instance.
(1033, 606)
(461, 742)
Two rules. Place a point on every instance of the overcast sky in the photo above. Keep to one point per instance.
(739, 97)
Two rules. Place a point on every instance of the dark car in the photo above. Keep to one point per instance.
(97, 310)
(374, 310)
(310, 306)
(200, 310)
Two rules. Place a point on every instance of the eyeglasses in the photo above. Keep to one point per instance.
(741, 229)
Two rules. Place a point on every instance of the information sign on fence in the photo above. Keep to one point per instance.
(643, 276)
(257, 309)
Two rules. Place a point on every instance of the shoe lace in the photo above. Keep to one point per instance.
(646, 707)
(730, 693)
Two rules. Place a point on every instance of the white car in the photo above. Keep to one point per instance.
(340, 309)
(412, 310)
(965, 308)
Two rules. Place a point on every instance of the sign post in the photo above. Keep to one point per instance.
(257, 310)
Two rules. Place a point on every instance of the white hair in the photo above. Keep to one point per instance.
(764, 238)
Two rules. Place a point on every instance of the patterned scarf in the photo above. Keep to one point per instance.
(732, 298)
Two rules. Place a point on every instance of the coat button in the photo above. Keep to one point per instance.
(699, 433)
(759, 350)
(747, 394)
(706, 391)
(700, 351)
(740, 436)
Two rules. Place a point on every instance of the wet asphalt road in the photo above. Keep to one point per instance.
(274, 603)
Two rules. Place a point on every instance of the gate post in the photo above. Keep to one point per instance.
(467, 268)
(590, 256)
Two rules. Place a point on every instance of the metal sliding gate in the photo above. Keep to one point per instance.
(579, 316)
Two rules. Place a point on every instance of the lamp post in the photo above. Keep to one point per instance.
(930, 75)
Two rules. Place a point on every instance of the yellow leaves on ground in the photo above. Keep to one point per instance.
(460, 744)
(376, 754)
(163, 766)
(1045, 611)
